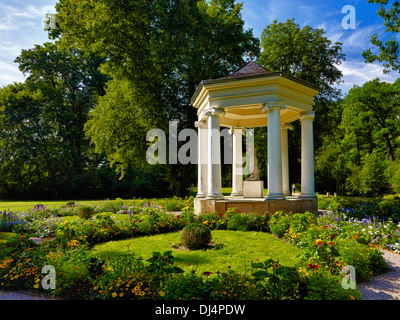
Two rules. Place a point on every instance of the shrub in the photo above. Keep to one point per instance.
(186, 287)
(279, 223)
(323, 286)
(195, 236)
(238, 222)
(248, 222)
(86, 212)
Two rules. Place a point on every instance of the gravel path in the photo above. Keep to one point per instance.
(8, 295)
(385, 286)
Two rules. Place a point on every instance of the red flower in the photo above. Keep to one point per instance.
(325, 227)
(312, 266)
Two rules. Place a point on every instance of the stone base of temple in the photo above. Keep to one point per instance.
(258, 205)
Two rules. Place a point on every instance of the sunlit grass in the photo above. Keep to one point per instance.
(231, 250)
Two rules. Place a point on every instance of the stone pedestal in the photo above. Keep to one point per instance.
(253, 189)
(257, 205)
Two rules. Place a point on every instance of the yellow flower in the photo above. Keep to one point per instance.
(36, 285)
(121, 294)
(95, 288)
(114, 294)
(319, 243)
(162, 293)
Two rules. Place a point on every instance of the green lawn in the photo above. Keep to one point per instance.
(227, 191)
(4, 236)
(234, 249)
(25, 205)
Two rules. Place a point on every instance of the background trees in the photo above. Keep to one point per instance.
(157, 53)
(307, 54)
(119, 68)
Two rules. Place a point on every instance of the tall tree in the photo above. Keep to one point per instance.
(371, 117)
(303, 52)
(42, 122)
(306, 53)
(389, 49)
(157, 53)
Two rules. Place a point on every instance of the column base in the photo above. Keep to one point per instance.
(287, 193)
(307, 195)
(275, 196)
(214, 196)
(237, 194)
(201, 195)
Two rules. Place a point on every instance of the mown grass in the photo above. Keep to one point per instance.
(4, 236)
(230, 250)
(21, 206)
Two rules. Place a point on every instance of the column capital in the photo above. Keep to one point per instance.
(214, 111)
(232, 129)
(286, 126)
(308, 115)
(270, 105)
(201, 124)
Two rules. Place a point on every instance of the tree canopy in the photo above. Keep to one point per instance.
(157, 53)
(118, 68)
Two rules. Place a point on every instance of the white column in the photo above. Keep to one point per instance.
(285, 158)
(307, 155)
(237, 169)
(214, 154)
(202, 145)
(275, 188)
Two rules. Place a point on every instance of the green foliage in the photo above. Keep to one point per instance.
(328, 247)
(86, 212)
(166, 49)
(234, 286)
(195, 236)
(357, 159)
(303, 52)
(281, 282)
(388, 51)
(372, 176)
(248, 222)
(322, 286)
(394, 176)
(161, 266)
(308, 54)
(186, 287)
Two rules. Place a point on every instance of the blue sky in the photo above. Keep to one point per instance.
(21, 27)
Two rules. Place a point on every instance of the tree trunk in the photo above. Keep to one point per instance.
(389, 147)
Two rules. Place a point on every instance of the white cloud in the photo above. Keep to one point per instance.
(359, 72)
(21, 27)
(9, 73)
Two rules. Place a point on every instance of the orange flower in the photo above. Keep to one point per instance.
(356, 236)
(312, 266)
(319, 243)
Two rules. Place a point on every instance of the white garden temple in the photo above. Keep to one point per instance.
(250, 97)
